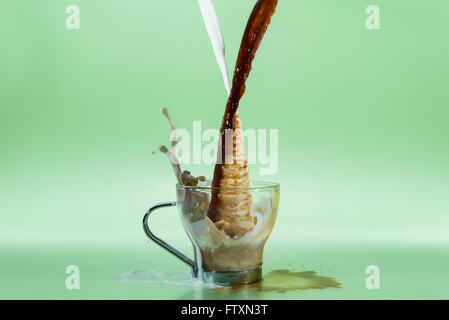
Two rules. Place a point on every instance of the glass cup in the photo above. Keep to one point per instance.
(224, 254)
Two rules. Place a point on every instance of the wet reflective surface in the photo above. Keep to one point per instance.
(411, 272)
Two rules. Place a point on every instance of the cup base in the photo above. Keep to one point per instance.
(233, 278)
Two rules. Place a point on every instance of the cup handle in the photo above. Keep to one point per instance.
(161, 242)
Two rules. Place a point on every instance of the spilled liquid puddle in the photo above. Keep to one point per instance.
(285, 280)
(163, 277)
(280, 281)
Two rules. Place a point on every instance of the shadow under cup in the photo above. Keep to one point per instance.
(222, 258)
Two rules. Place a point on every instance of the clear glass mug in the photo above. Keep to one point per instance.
(221, 257)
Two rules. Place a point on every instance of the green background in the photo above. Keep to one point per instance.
(363, 140)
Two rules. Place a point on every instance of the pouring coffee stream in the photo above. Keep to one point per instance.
(232, 213)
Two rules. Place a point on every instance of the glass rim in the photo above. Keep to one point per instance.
(255, 186)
